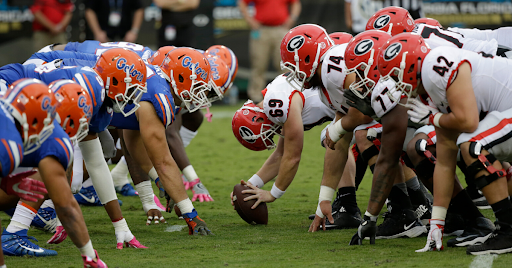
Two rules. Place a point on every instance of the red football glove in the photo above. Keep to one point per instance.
(24, 187)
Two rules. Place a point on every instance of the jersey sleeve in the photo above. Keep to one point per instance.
(11, 150)
(440, 67)
(276, 104)
(89, 80)
(334, 71)
(57, 145)
(384, 97)
(101, 120)
(163, 103)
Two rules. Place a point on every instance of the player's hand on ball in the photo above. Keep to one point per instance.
(368, 228)
(435, 237)
(258, 194)
(154, 215)
(325, 209)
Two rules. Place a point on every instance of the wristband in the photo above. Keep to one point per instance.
(256, 181)
(326, 193)
(435, 119)
(276, 192)
(335, 131)
(439, 213)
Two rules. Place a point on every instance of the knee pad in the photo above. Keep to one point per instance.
(483, 162)
(370, 152)
(421, 149)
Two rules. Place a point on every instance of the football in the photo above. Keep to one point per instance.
(259, 215)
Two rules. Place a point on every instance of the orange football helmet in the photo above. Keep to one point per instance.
(124, 75)
(158, 57)
(228, 56)
(188, 71)
(219, 77)
(33, 105)
(253, 129)
(75, 110)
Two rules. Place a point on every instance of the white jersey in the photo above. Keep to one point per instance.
(381, 101)
(334, 73)
(491, 79)
(435, 37)
(277, 98)
(503, 35)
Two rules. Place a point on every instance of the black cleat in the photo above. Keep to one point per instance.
(400, 224)
(344, 220)
(423, 213)
(481, 203)
(499, 242)
(454, 225)
(475, 232)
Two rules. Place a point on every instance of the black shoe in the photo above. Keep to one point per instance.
(344, 220)
(423, 213)
(454, 225)
(400, 224)
(475, 232)
(481, 203)
(499, 242)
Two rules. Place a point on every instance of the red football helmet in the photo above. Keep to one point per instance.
(253, 129)
(228, 56)
(393, 20)
(33, 105)
(188, 71)
(361, 58)
(75, 110)
(302, 50)
(158, 57)
(428, 21)
(401, 59)
(219, 77)
(124, 75)
(340, 37)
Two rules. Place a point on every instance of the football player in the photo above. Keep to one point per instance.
(461, 86)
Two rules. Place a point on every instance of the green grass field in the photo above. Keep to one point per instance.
(221, 162)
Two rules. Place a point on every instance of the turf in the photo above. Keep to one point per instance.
(221, 162)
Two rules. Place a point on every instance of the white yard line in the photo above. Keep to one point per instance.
(483, 261)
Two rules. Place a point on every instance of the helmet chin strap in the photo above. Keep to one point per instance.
(315, 63)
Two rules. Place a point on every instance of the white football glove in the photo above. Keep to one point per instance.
(421, 113)
(435, 237)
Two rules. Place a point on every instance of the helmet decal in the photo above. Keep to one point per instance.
(381, 22)
(247, 134)
(295, 43)
(363, 47)
(121, 65)
(82, 104)
(392, 51)
(213, 68)
(187, 63)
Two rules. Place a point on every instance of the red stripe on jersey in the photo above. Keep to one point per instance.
(91, 89)
(503, 123)
(354, 151)
(290, 101)
(8, 148)
(326, 95)
(431, 134)
(455, 71)
(63, 146)
(164, 116)
(263, 92)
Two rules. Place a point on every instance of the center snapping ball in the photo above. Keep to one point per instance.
(259, 215)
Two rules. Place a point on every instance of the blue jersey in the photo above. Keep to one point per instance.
(96, 48)
(158, 94)
(85, 76)
(57, 145)
(11, 145)
(45, 57)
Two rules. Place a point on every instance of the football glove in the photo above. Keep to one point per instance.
(195, 224)
(368, 228)
(363, 105)
(435, 237)
(200, 192)
(421, 113)
(24, 187)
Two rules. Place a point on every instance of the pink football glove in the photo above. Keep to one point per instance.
(200, 192)
(59, 236)
(24, 187)
(188, 185)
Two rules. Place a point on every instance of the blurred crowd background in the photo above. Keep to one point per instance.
(202, 23)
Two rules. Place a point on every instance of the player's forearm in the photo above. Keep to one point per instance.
(444, 171)
(270, 168)
(459, 123)
(334, 162)
(383, 179)
(287, 170)
(176, 147)
(137, 20)
(66, 20)
(92, 21)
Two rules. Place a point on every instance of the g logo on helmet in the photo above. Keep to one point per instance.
(295, 43)
(363, 47)
(381, 22)
(246, 134)
(392, 51)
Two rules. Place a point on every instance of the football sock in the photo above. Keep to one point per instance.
(398, 197)
(187, 135)
(120, 173)
(463, 205)
(88, 250)
(347, 197)
(22, 218)
(361, 166)
(87, 183)
(503, 210)
(415, 193)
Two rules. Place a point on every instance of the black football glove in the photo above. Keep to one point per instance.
(368, 228)
(363, 105)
